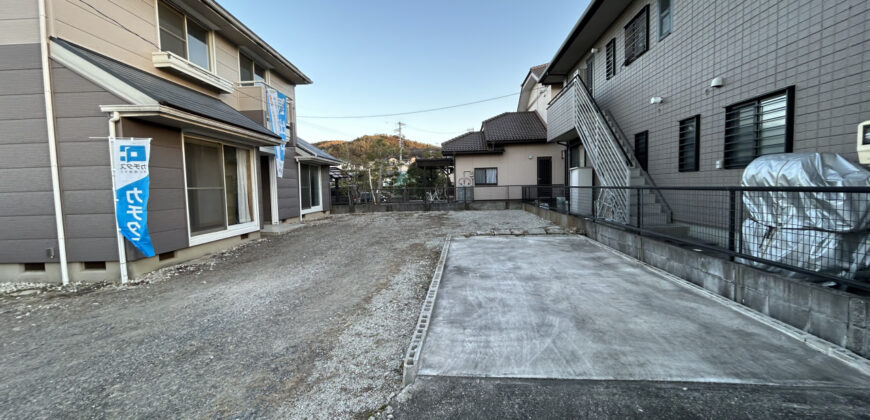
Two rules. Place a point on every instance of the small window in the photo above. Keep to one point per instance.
(637, 36)
(611, 58)
(485, 176)
(690, 136)
(574, 156)
(590, 65)
(641, 148)
(249, 70)
(866, 134)
(665, 19)
(184, 37)
(758, 127)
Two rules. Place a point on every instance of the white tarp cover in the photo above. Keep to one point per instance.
(839, 254)
(827, 211)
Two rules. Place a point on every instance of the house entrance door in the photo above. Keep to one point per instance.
(545, 176)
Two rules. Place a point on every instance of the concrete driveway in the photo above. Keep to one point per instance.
(577, 318)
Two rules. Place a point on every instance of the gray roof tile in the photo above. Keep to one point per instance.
(168, 93)
(515, 127)
(310, 148)
(468, 142)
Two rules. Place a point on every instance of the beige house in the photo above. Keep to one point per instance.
(510, 150)
(184, 73)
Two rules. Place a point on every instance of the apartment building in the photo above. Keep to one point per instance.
(184, 73)
(688, 92)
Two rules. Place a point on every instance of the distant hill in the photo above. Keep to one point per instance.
(366, 147)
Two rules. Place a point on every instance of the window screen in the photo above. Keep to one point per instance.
(637, 36)
(611, 58)
(689, 142)
(758, 127)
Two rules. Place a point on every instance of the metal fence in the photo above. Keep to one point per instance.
(353, 195)
(817, 233)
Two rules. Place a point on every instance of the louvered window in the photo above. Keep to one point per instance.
(690, 136)
(611, 58)
(761, 126)
(637, 36)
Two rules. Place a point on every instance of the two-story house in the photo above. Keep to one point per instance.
(184, 73)
(688, 92)
(510, 150)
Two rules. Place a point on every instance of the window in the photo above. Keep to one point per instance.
(637, 36)
(866, 134)
(758, 127)
(250, 71)
(665, 19)
(641, 148)
(574, 156)
(485, 176)
(183, 36)
(611, 58)
(309, 178)
(590, 65)
(690, 137)
(218, 186)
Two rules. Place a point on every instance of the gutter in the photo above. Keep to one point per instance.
(52, 142)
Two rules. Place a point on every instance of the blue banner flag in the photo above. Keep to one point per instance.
(130, 165)
(277, 103)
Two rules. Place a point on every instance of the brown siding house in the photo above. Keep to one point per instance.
(184, 73)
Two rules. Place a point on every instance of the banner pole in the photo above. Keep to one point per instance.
(122, 253)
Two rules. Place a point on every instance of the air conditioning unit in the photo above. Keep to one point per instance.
(864, 143)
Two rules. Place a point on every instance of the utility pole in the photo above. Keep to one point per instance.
(401, 139)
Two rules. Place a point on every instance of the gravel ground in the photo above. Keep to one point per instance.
(312, 324)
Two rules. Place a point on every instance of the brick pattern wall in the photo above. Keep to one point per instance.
(758, 47)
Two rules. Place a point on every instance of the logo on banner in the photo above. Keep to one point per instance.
(130, 166)
(277, 103)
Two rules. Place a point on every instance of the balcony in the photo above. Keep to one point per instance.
(175, 64)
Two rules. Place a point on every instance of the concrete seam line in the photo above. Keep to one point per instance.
(411, 364)
(842, 354)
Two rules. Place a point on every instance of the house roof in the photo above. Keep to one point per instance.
(470, 142)
(166, 92)
(597, 18)
(515, 127)
(310, 148)
(507, 128)
(538, 70)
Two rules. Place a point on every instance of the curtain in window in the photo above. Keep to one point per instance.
(242, 179)
(492, 176)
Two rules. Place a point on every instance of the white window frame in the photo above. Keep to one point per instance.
(231, 230)
(319, 190)
(211, 42)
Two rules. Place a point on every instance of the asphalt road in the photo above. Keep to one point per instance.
(312, 324)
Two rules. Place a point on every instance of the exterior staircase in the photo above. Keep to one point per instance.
(612, 157)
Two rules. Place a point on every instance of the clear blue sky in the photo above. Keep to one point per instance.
(387, 56)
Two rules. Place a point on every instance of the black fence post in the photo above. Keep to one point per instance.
(639, 208)
(732, 220)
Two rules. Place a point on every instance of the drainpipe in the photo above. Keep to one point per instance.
(122, 253)
(52, 143)
(299, 182)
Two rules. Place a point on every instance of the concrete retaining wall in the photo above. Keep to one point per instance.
(386, 207)
(833, 315)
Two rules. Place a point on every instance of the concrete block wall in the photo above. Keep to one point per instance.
(832, 315)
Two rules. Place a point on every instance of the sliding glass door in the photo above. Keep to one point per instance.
(219, 186)
(309, 182)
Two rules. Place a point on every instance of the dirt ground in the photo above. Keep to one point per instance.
(312, 324)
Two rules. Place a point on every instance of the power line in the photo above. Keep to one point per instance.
(409, 112)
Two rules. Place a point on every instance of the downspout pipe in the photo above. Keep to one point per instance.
(52, 143)
(122, 252)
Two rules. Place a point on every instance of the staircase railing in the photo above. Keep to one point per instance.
(603, 150)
